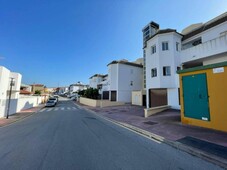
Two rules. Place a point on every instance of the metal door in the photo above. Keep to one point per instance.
(195, 96)
(113, 95)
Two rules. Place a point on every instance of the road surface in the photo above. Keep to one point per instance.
(66, 137)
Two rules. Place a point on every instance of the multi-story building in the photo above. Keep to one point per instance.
(203, 78)
(104, 87)
(73, 88)
(166, 51)
(204, 44)
(95, 80)
(123, 78)
(162, 59)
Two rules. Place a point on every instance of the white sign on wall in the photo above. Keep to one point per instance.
(218, 70)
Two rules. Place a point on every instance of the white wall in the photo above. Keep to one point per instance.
(160, 59)
(124, 79)
(124, 96)
(17, 83)
(214, 41)
(22, 103)
(94, 81)
(113, 76)
(172, 98)
(4, 83)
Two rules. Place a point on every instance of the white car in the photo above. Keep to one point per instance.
(53, 99)
(50, 103)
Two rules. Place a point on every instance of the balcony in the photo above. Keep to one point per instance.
(206, 49)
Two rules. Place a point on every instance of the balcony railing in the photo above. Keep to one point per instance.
(206, 49)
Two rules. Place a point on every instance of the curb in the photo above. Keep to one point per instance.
(192, 151)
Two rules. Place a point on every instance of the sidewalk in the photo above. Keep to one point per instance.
(20, 115)
(166, 126)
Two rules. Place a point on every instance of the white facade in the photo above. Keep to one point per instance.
(76, 87)
(5, 77)
(124, 77)
(199, 44)
(95, 80)
(212, 49)
(163, 58)
(104, 84)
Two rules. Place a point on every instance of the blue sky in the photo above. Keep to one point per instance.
(60, 42)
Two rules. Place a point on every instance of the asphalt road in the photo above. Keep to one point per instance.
(66, 137)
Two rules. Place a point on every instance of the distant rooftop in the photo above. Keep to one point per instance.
(126, 62)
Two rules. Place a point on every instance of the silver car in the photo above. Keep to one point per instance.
(50, 103)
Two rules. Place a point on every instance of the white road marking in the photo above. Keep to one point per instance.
(42, 110)
(49, 109)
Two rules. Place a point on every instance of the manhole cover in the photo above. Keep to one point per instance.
(150, 123)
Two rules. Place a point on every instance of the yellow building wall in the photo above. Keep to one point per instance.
(217, 92)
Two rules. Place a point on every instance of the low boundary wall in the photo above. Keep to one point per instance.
(99, 103)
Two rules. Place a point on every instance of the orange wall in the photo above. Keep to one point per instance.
(217, 91)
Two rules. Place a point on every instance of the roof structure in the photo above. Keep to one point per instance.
(212, 23)
(162, 31)
(125, 62)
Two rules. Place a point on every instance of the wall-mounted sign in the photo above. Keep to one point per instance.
(218, 70)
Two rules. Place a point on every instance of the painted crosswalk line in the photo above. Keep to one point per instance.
(58, 109)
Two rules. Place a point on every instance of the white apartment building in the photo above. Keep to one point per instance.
(162, 59)
(166, 51)
(104, 87)
(76, 87)
(95, 80)
(123, 78)
(5, 79)
(204, 44)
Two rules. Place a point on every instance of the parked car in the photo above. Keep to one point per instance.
(50, 103)
(56, 96)
(54, 99)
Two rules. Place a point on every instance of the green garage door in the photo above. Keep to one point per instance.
(195, 95)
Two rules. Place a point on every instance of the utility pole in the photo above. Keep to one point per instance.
(10, 92)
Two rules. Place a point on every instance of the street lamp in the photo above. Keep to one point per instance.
(10, 92)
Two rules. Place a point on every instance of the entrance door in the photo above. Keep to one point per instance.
(113, 95)
(105, 95)
(144, 100)
(196, 100)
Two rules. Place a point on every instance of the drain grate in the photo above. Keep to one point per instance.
(208, 147)
(150, 123)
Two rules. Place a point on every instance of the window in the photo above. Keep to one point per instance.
(153, 49)
(165, 46)
(177, 46)
(166, 71)
(154, 72)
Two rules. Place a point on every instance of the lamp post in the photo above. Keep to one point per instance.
(10, 92)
